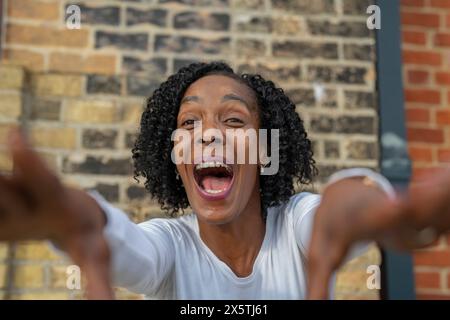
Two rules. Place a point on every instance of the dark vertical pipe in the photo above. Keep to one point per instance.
(397, 269)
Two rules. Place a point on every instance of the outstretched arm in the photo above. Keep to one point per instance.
(352, 210)
(35, 205)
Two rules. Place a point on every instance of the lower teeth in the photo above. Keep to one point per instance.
(214, 191)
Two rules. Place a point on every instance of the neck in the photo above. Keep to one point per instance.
(238, 242)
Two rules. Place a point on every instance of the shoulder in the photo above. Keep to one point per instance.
(294, 210)
(302, 203)
(180, 227)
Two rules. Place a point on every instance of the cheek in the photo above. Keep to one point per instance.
(248, 179)
(182, 170)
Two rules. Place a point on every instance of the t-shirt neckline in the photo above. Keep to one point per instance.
(225, 268)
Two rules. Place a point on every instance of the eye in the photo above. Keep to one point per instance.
(234, 120)
(188, 123)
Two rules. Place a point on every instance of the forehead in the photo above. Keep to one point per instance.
(217, 86)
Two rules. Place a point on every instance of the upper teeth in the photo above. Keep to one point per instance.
(212, 164)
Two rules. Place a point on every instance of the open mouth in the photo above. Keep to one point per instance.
(214, 178)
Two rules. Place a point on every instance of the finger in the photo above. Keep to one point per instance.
(321, 266)
(97, 274)
(326, 253)
(10, 199)
(28, 166)
(430, 201)
(12, 213)
(92, 255)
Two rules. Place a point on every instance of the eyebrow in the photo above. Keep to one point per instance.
(225, 98)
(234, 97)
(190, 99)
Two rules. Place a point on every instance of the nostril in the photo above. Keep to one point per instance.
(210, 139)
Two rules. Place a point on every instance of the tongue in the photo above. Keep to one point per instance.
(215, 183)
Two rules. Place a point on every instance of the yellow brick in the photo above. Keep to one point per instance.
(3, 271)
(11, 77)
(60, 138)
(42, 296)
(33, 9)
(66, 62)
(57, 85)
(91, 111)
(132, 114)
(5, 165)
(28, 276)
(372, 295)
(355, 280)
(119, 293)
(124, 294)
(58, 277)
(29, 59)
(35, 251)
(10, 105)
(47, 36)
(3, 250)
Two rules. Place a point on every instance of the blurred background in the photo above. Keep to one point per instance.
(80, 94)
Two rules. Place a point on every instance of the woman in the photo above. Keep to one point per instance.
(249, 235)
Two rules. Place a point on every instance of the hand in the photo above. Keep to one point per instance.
(352, 212)
(35, 205)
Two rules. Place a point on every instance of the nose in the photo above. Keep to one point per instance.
(209, 138)
(210, 134)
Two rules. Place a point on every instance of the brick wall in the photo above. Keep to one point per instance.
(82, 92)
(426, 55)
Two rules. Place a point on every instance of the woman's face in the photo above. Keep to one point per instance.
(218, 190)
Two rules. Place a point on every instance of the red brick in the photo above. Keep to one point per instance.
(420, 19)
(418, 76)
(425, 135)
(422, 173)
(442, 78)
(442, 39)
(428, 280)
(443, 117)
(414, 37)
(423, 96)
(413, 3)
(432, 258)
(448, 281)
(448, 20)
(421, 154)
(444, 155)
(422, 57)
(440, 3)
(433, 296)
(417, 115)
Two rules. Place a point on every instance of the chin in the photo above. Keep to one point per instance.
(215, 216)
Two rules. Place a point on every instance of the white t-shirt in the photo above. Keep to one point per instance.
(167, 259)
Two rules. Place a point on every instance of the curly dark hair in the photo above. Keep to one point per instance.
(152, 150)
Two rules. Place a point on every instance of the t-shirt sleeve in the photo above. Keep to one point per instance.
(303, 208)
(142, 255)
